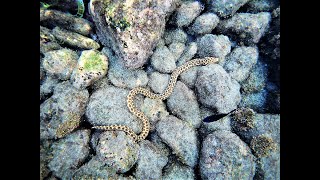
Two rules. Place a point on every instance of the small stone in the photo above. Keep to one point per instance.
(60, 62)
(183, 103)
(224, 9)
(150, 161)
(213, 46)
(108, 106)
(186, 13)
(176, 50)
(117, 150)
(225, 156)
(245, 27)
(180, 137)
(204, 24)
(240, 62)
(122, 77)
(163, 60)
(154, 109)
(216, 89)
(158, 82)
(74, 39)
(92, 65)
(68, 153)
(188, 53)
(175, 35)
(178, 171)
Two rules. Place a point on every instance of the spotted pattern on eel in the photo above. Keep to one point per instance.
(149, 94)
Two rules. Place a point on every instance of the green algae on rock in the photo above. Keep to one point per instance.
(92, 65)
(131, 28)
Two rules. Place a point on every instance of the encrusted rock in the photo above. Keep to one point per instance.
(122, 77)
(131, 28)
(218, 125)
(224, 8)
(178, 171)
(65, 20)
(256, 101)
(186, 13)
(176, 50)
(158, 82)
(183, 103)
(61, 113)
(47, 86)
(74, 39)
(108, 106)
(213, 45)
(92, 65)
(47, 40)
(225, 156)
(255, 6)
(175, 35)
(60, 62)
(188, 53)
(150, 161)
(68, 153)
(163, 60)
(256, 80)
(245, 27)
(204, 24)
(181, 137)
(117, 150)
(189, 77)
(240, 62)
(154, 109)
(216, 89)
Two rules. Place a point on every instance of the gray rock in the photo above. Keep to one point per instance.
(163, 60)
(240, 62)
(205, 112)
(92, 65)
(183, 103)
(189, 77)
(181, 138)
(154, 109)
(204, 24)
(132, 29)
(122, 77)
(94, 169)
(108, 106)
(157, 141)
(150, 161)
(225, 9)
(47, 41)
(256, 80)
(213, 45)
(187, 12)
(188, 53)
(158, 82)
(246, 28)
(222, 124)
(117, 150)
(175, 35)
(268, 167)
(68, 153)
(65, 20)
(255, 101)
(177, 171)
(176, 50)
(225, 156)
(74, 39)
(60, 63)
(45, 158)
(47, 86)
(62, 112)
(255, 6)
(216, 89)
